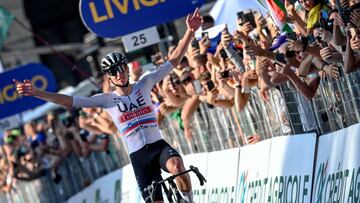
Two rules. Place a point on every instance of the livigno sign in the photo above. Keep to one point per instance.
(114, 18)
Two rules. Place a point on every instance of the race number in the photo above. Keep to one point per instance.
(141, 39)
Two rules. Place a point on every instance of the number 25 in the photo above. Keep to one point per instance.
(139, 40)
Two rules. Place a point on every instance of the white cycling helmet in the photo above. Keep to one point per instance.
(113, 59)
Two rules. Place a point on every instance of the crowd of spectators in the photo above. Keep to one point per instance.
(318, 42)
(40, 147)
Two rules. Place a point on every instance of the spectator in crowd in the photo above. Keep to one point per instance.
(209, 22)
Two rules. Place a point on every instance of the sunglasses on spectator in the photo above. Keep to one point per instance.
(187, 80)
(177, 81)
(112, 71)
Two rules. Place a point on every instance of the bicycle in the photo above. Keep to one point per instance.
(172, 193)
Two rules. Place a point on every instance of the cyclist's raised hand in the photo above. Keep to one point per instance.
(24, 88)
(194, 21)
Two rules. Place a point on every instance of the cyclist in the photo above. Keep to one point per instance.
(131, 109)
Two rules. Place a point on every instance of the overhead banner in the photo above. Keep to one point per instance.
(337, 174)
(10, 101)
(114, 18)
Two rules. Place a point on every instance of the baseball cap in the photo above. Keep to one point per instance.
(277, 42)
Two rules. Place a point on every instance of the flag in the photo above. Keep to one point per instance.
(5, 21)
(262, 3)
(314, 15)
(278, 14)
(224, 11)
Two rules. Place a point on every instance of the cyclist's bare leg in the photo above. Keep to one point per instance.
(175, 165)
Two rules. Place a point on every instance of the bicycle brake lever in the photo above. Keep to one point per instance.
(150, 198)
(154, 187)
(198, 174)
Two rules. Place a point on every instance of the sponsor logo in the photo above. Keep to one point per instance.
(140, 101)
(128, 116)
(341, 185)
(292, 188)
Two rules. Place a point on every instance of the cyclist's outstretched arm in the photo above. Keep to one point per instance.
(25, 88)
(193, 22)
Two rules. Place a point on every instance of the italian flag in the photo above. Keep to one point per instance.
(278, 13)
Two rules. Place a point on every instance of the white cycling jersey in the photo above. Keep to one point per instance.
(134, 114)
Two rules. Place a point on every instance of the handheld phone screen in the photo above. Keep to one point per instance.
(210, 85)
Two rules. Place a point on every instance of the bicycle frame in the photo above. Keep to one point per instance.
(173, 191)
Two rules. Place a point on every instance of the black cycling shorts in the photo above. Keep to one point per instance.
(147, 163)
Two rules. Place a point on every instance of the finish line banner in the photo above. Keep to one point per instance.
(115, 18)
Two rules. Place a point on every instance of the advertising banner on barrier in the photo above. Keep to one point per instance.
(114, 18)
(105, 189)
(129, 188)
(253, 170)
(274, 170)
(222, 176)
(201, 162)
(39, 75)
(290, 168)
(337, 173)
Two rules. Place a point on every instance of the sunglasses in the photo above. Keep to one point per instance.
(113, 70)
(175, 81)
(187, 80)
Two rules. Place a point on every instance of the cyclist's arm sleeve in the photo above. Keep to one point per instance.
(235, 58)
(156, 76)
(99, 100)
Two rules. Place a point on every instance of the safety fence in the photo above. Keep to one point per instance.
(335, 106)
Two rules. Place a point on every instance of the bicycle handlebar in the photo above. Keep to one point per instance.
(201, 178)
(194, 169)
